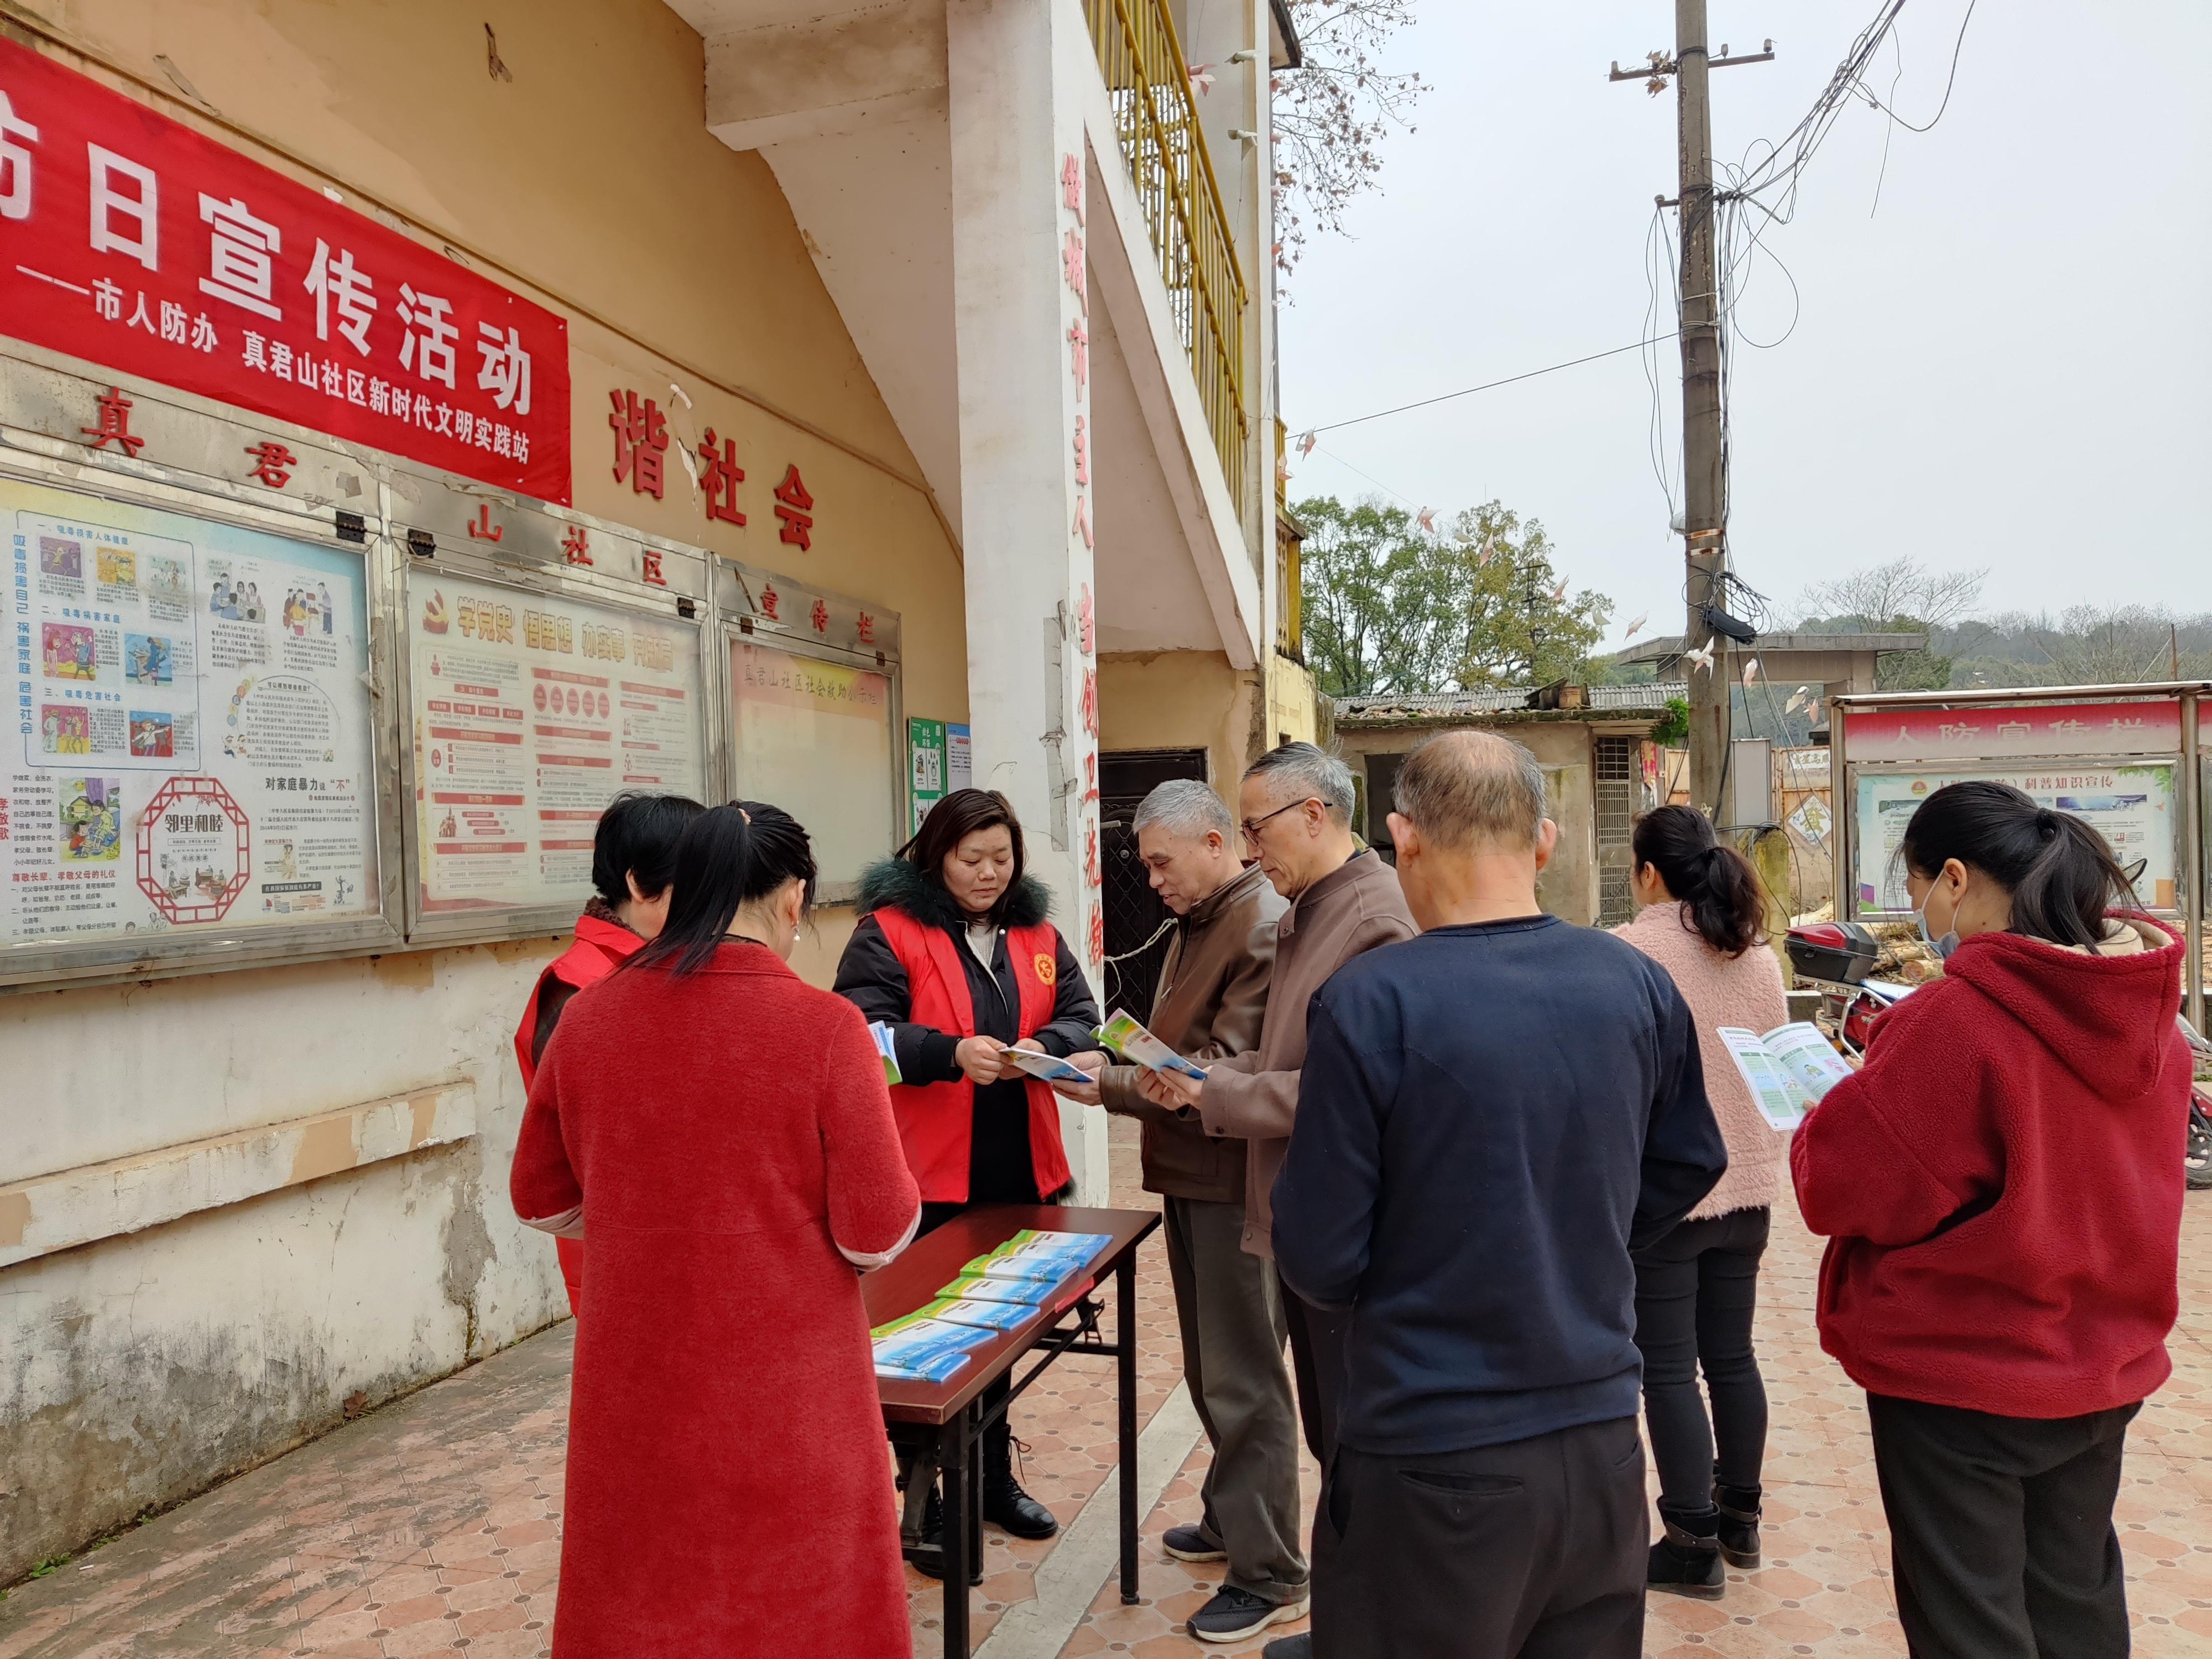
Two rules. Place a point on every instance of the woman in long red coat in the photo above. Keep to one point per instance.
(720, 1132)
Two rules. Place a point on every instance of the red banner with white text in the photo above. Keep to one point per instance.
(131, 240)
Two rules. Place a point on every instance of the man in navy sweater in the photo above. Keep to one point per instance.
(1491, 1116)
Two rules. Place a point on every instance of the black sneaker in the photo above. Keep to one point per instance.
(1738, 1530)
(1191, 1544)
(1683, 1564)
(1234, 1614)
(1290, 1647)
(1010, 1510)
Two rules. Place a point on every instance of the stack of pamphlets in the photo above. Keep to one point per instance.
(1039, 1258)
(1124, 1034)
(920, 1349)
(1000, 1290)
(1789, 1069)
(882, 1035)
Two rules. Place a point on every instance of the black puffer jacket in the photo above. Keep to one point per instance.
(871, 976)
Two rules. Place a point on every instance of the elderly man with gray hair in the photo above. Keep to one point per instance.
(1212, 996)
(1490, 1119)
(1297, 802)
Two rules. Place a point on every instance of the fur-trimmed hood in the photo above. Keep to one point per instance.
(897, 882)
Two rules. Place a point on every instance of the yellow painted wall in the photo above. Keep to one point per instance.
(1179, 700)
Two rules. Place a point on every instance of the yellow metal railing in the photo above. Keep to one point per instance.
(1289, 561)
(1157, 121)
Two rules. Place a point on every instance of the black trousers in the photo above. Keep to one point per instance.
(1696, 1289)
(1317, 1363)
(2001, 1529)
(1535, 1549)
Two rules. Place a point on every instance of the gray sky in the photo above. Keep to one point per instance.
(2009, 365)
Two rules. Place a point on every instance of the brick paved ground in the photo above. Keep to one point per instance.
(433, 1526)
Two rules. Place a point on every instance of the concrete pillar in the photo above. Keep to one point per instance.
(1022, 321)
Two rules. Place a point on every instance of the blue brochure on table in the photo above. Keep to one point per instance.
(922, 1349)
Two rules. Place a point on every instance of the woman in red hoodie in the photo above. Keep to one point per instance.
(2001, 1186)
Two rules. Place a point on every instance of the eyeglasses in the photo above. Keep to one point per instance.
(1251, 826)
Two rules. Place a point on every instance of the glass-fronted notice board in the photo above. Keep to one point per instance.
(194, 747)
(531, 710)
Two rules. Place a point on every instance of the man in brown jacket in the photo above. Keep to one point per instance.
(1212, 996)
(1297, 802)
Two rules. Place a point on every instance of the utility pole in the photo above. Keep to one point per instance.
(1704, 480)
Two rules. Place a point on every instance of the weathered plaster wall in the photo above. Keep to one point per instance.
(1182, 700)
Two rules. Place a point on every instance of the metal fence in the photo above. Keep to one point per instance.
(1157, 122)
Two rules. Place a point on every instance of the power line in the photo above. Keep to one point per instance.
(1487, 385)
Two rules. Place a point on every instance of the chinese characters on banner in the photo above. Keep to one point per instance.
(193, 741)
(1084, 820)
(1991, 731)
(533, 711)
(133, 241)
(642, 440)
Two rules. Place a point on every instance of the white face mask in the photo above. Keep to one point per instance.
(1950, 942)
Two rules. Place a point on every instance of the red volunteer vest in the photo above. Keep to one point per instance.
(600, 948)
(936, 1119)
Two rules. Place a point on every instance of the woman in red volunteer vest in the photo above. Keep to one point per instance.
(633, 864)
(954, 953)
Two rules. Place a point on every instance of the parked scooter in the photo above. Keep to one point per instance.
(1835, 957)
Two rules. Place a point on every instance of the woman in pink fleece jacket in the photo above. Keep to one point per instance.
(1704, 922)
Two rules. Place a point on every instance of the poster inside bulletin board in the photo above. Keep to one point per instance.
(194, 747)
(814, 737)
(531, 712)
(2131, 804)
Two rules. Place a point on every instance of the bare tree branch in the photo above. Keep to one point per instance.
(1332, 115)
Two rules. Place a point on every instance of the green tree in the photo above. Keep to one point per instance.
(1520, 625)
(1392, 607)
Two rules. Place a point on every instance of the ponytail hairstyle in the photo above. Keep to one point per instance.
(2062, 875)
(1718, 888)
(712, 860)
(781, 851)
(637, 837)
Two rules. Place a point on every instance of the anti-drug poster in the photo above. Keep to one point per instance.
(533, 711)
(193, 742)
(2131, 806)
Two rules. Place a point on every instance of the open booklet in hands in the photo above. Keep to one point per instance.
(1789, 1068)
(1128, 1038)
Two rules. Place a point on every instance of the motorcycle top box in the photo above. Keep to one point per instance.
(1840, 952)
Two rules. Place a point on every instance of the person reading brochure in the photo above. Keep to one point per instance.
(955, 953)
(1704, 920)
(1297, 804)
(724, 1409)
(2002, 1188)
(1208, 1005)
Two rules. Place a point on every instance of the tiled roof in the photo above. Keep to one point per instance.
(1450, 705)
